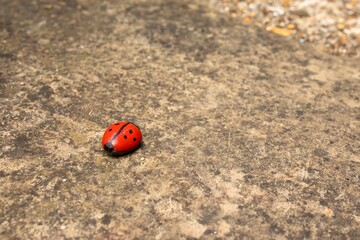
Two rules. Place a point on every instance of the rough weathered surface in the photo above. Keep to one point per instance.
(246, 135)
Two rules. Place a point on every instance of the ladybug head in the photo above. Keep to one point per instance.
(109, 147)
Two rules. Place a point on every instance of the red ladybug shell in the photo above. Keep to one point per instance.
(121, 138)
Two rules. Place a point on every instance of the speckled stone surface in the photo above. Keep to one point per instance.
(246, 135)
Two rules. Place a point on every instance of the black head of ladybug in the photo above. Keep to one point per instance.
(109, 147)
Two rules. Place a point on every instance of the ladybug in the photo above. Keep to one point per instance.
(121, 138)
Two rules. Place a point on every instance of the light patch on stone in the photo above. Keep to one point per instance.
(223, 228)
(168, 209)
(192, 228)
(329, 213)
(229, 208)
(282, 207)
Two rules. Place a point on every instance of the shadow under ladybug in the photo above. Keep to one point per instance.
(109, 148)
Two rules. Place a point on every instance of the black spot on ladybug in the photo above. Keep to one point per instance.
(118, 132)
(130, 131)
(125, 136)
(134, 139)
(116, 124)
(109, 147)
(110, 129)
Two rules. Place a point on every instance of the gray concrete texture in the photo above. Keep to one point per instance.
(246, 135)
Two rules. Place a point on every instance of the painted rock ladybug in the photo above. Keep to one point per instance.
(121, 138)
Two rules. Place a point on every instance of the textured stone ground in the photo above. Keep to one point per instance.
(246, 135)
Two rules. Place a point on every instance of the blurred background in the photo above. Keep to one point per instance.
(334, 25)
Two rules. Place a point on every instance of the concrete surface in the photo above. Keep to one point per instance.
(246, 135)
